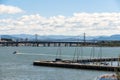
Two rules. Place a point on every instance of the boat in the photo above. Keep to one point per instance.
(114, 76)
(108, 77)
(15, 52)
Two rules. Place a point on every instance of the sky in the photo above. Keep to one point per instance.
(60, 17)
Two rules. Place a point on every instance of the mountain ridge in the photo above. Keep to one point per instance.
(60, 37)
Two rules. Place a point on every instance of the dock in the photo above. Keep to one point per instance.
(80, 65)
(75, 65)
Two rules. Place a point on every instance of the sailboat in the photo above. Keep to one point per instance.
(58, 54)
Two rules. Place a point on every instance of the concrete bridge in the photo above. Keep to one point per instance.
(46, 43)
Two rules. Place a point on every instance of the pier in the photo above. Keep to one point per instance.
(81, 64)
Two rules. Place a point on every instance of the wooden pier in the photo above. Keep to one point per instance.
(80, 65)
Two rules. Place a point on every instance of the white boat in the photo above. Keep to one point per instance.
(108, 77)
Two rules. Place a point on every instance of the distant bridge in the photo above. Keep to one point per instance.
(46, 43)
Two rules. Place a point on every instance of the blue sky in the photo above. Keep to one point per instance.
(60, 17)
(65, 7)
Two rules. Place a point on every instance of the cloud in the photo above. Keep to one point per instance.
(5, 9)
(93, 24)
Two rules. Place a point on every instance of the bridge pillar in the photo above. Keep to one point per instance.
(48, 44)
(59, 44)
(44, 45)
(70, 44)
(37, 44)
(55, 44)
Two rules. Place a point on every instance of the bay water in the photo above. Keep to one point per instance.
(20, 66)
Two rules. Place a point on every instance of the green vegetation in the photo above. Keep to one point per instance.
(109, 43)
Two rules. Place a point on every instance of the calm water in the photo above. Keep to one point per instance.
(19, 66)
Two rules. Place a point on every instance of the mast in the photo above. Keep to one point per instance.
(77, 51)
(92, 55)
(58, 54)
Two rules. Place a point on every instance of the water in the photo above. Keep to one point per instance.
(19, 66)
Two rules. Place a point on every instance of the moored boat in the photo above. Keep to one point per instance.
(108, 77)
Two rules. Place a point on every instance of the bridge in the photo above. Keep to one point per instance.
(46, 43)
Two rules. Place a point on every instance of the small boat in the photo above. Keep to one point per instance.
(108, 77)
(15, 52)
(104, 63)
